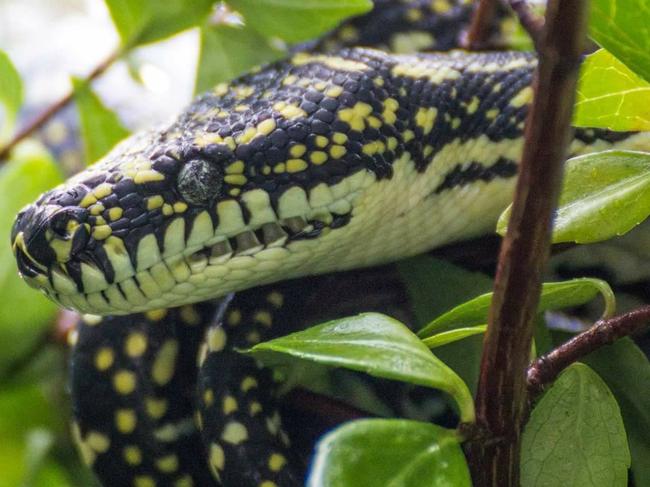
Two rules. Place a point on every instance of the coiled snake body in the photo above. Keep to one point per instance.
(318, 163)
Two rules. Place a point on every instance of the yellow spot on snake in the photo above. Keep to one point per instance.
(356, 115)
(266, 127)
(156, 408)
(297, 150)
(276, 462)
(208, 397)
(148, 176)
(234, 433)
(236, 179)
(102, 232)
(87, 200)
(263, 317)
(318, 157)
(115, 213)
(184, 481)
(334, 91)
(125, 420)
(167, 464)
(132, 455)
(156, 314)
(136, 344)
(522, 98)
(275, 298)
(236, 167)
(216, 339)
(248, 383)
(98, 441)
(217, 456)
(234, 317)
(254, 408)
(179, 207)
(296, 165)
(163, 367)
(425, 118)
(144, 481)
(268, 483)
(104, 358)
(154, 202)
(229, 404)
(124, 382)
(190, 315)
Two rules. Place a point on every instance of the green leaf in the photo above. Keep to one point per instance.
(372, 343)
(11, 94)
(440, 339)
(389, 452)
(555, 295)
(229, 51)
(611, 96)
(297, 20)
(144, 21)
(100, 127)
(626, 370)
(621, 27)
(435, 286)
(604, 195)
(25, 313)
(575, 435)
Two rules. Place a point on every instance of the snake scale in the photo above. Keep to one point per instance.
(326, 161)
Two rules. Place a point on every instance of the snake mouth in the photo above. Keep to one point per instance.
(219, 265)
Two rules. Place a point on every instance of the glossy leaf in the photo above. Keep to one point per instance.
(372, 343)
(143, 21)
(229, 51)
(435, 286)
(297, 20)
(30, 172)
(100, 128)
(446, 337)
(575, 435)
(621, 27)
(555, 295)
(11, 95)
(604, 195)
(626, 370)
(611, 96)
(390, 452)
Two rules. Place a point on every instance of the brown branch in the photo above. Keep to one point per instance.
(481, 29)
(502, 391)
(546, 368)
(329, 410)
(53, 109)
(477, 35)
(531, 22)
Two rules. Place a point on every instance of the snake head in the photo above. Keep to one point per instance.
(279, 174)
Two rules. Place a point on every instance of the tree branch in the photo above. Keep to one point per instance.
(532, 23)
(477, 36)
(546, 368)
(502, 391)
(53, 109)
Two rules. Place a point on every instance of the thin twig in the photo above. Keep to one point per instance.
(546, 368)
(502, 391)
(57, 106)
(477, 36)
(331, 411)
(531, 22)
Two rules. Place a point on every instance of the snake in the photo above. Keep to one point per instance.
(337, 158)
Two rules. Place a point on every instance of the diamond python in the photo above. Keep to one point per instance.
(318, 163)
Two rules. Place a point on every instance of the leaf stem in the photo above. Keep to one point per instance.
(546, 368)
(55, 107)
(502, 390)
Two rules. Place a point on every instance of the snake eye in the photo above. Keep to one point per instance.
(199, 181)
(64, 222)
